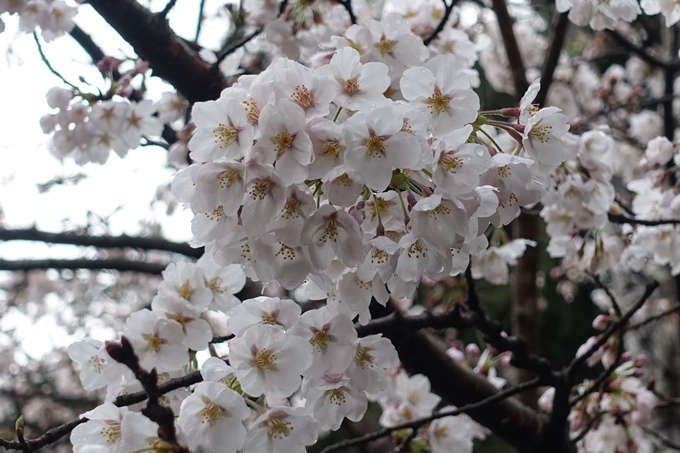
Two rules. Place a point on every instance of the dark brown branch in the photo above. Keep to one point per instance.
(455, 318)
(619, 218)
(169, 56)
(123, 241)
(414, 425)
(640, 51)
(347, 4)
(168, 7)
(48, 438)
(116, 264)
(199, 23)
(442, 23)
(559, 33)
(420, 352)
(505, 23)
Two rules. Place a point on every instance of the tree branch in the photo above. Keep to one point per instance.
(48, 64)
(116, 264)
(613, 327)
(414, 425)
(421, 352)
(559, 33)
(442, 23)
(640, 51)
(654, 318)
(123, 241)
(169, 56)
(619, 218)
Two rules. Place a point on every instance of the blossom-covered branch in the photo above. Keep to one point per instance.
(501, 395)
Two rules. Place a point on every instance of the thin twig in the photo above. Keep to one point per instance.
(199, 24)
(442, 23)
(167, 9)
(422, 421)
(49, 65)
(613, 327)
(665, 441)
(234, 47)
(602, 286)
(654, 318)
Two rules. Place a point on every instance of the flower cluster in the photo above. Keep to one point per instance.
(53, 17)
(87, 129)
(277, 352)
(317, 177)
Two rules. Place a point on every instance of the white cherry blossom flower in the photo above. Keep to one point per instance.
(102, 428)
(330, 233)
(332, 398)
(263, 310)
(283, 140)
(372, 355)
(376, 146)
(157, 342)
(212, 418)
(331, 335)
(282, 430)
(358, 86)
(186, 281)
(98, 368)
(197, 331)
(442, 92)
(269, 361)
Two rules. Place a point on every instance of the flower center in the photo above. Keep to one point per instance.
(439, 210)
(185, 291)
(343, 180)
(451, 163)
(153, 342)
(211, 412)
(277, 428)
(180, 318)
(504, 171)
(337, 397)
(224, 135)
(286, 252)
(228, 177)
(283, 141)
(438, 102)
(265, 359)
(416, 250)
(382, 206)
(252, 111)
(303, 97)
(291, 210)
(215, 285)
(111, 433)
(375, 146)
(97, 363)
(386, 46)
(363, 358)
(320, 340)
(261, 188)
(216, 214)
(351, 87)
(541, 133)
(330, 150)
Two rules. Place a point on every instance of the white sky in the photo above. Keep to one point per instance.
(25, 160)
